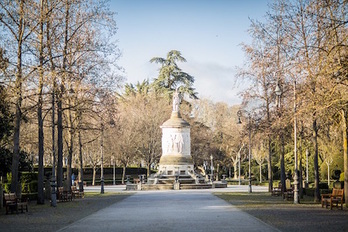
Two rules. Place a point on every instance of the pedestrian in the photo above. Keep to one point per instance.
(72, 179)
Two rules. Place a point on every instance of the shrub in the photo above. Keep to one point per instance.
(7, 187)
(25, 188)
(29, 196)
(28, 177)
(342, 176)
(32, 187)
(9, 177)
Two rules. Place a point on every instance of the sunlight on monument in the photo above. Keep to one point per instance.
(176, 169)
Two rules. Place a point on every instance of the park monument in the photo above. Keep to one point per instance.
(176, 168)
(176, 157)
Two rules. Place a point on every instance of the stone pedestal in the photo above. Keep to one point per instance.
(177, 186)
(176, 157)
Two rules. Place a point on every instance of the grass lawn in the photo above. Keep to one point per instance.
(287, 216)
(47, 218)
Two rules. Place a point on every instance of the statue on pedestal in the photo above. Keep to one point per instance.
(176, 100)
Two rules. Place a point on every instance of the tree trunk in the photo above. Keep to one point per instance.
(94, 174)
(60, 137)
(41, 194)
(53, 190)
(18, 104)
(282, 165)
(80, 164)
(70, 148)
(148, 169)
(235, 170)
(301, 173)
(316, 166)
(328, 174)
(123, 173)
(60, 99)
(345, 152)
(217, 172)
(53, 99)
(68, 168)
(301, 167)
(270, 176)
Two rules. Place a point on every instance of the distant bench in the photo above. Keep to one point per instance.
(336, 197)
(12, 203)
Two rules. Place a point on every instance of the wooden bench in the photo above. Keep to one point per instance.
(12, 203)
(76, 192)
(64, 195)
(277, 191)
(333, 199)
(289, 191)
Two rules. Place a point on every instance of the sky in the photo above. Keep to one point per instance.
(208, 33)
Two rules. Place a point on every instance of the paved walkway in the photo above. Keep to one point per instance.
(185, 210)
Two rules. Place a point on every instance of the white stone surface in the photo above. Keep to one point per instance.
(176, 141)
(175, 169)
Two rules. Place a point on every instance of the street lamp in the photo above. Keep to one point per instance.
(239, 114)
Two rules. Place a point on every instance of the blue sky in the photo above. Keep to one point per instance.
(208, 33)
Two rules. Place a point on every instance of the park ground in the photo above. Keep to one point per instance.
(279, 213)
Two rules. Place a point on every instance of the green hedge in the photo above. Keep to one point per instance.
(29, 196)
(7, 187)
(27, 177)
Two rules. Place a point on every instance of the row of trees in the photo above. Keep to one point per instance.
(297, 67)
(59, 98)
(57, 66)
(59, 79)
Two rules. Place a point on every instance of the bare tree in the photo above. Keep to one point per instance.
(17, 29)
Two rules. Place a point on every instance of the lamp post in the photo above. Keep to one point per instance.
(102, 160)
(239, 114)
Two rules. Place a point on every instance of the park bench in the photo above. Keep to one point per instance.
(333, 199)
(12, 203)
(76, 192)
(289, 191)
(277, 191)
(64, 195)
